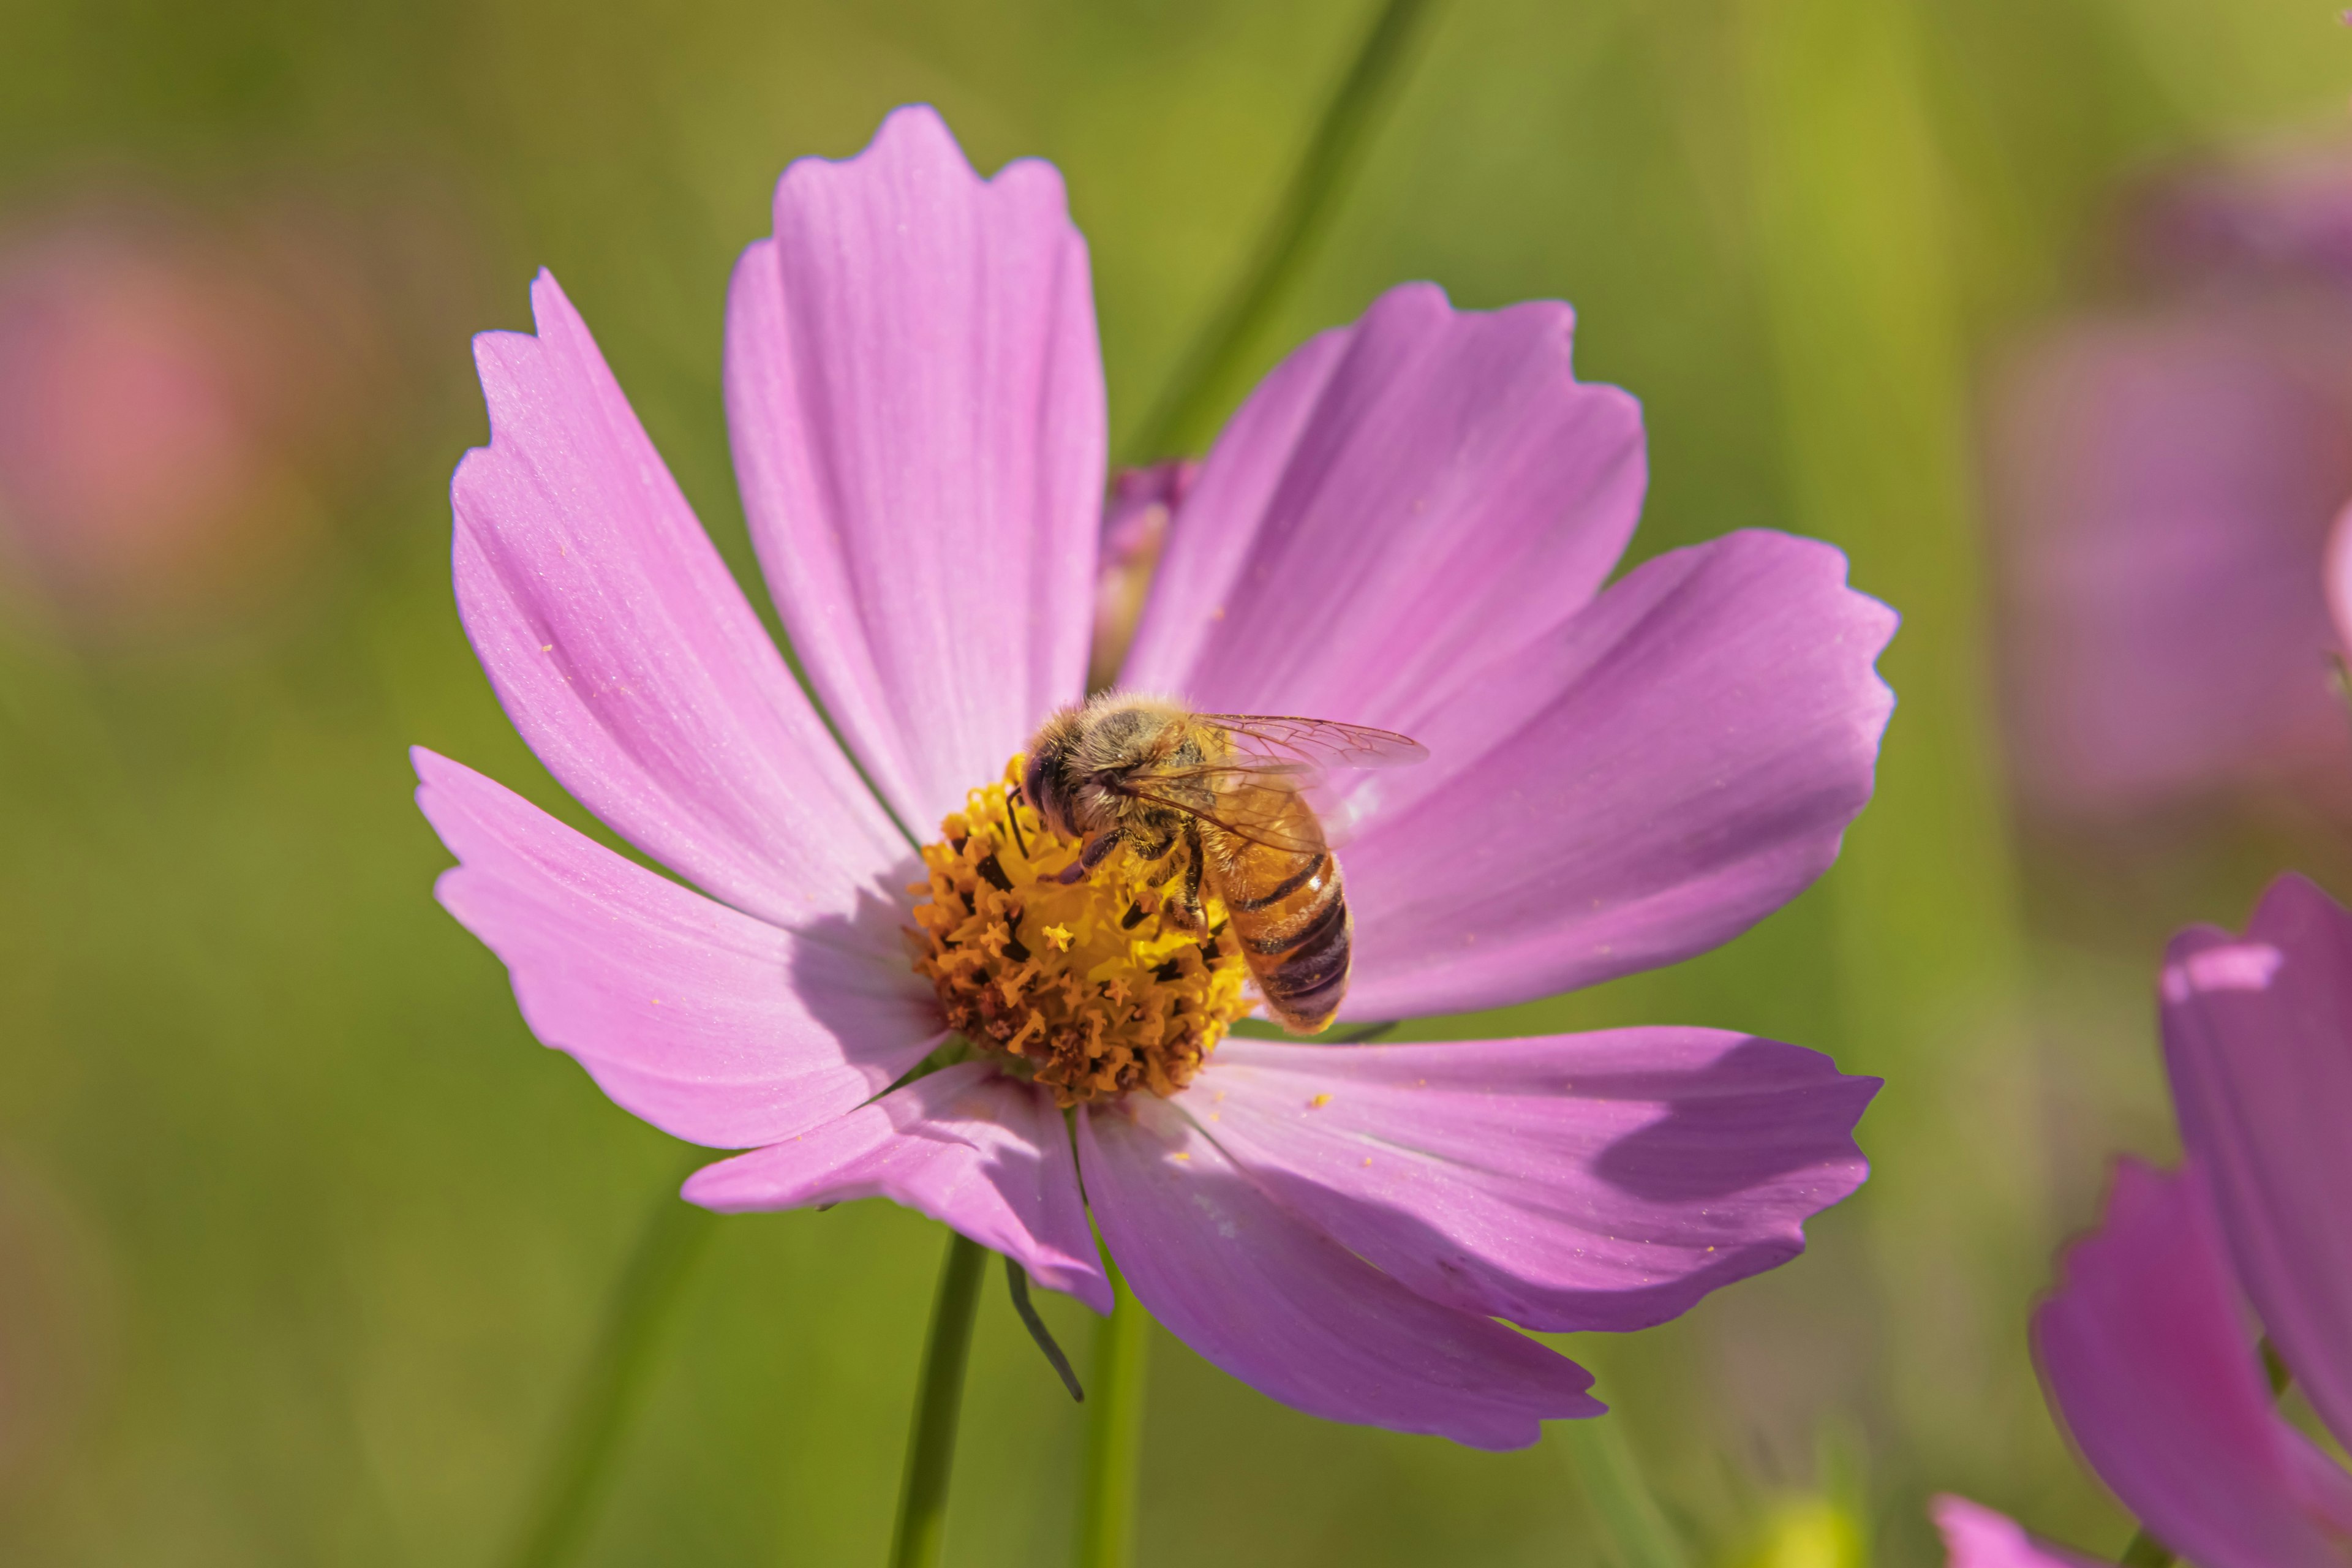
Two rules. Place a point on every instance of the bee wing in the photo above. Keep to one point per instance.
(1247, 799)
(1320, 745)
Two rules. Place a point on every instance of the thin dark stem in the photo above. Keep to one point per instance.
(921, 1534)
(1016, 1280)
(1364, 1036)
(1203, 383)
(612, 1382)
(2146, 1550)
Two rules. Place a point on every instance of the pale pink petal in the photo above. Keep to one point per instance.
(966, 1145)
(1570, 1182)
(916, 400)
(2338, 582)
(1418, 494)
(626, 655)
(2149, 1362)
(2258, 1034)
(1976, 1537)
(1677, 763)
(711, 1025)
(1286, 1309)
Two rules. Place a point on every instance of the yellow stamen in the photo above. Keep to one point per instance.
(1085, 987)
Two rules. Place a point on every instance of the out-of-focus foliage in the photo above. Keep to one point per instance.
(300, 1233)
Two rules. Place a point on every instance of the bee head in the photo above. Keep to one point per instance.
(1050, 782)
(1078, 763)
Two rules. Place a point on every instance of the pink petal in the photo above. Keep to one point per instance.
(1285, 1309)
(712, 1026)
(2149, 1362)
(1677, 764)
(915, 399)
(2338, 575)
(965, 1145)
(1420, 494)
(1977, 1537)
(1604, 1181)
(626, 655)
(2259, 1038)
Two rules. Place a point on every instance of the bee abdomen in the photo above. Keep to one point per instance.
(1301, 956)
(1307, 871)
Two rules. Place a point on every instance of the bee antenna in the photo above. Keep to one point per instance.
(1014, 802)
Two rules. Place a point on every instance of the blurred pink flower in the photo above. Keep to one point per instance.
(132, 442)
(1135, 532)
(2163, 477)
(1976, 1537)
(170, 390)
(1407, 524)
(2145, 1347)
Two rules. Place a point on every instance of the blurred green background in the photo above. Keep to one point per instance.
(302, 1237)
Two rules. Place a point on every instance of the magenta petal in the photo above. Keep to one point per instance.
(711, 1025)
(1976, 1537)
(916, 400)
(2338, 577)
(2152, 1367)
(2258, 1035)
(965, 1145)
(1700, 737)
(626, 655)
(1418, 494)
(1602, 1181)
(1286, 1309)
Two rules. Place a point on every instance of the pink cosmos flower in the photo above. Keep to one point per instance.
(2145, 1347)
(1409, 525)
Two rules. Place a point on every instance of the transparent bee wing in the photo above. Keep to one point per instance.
(1258, 802)
(1321, 744)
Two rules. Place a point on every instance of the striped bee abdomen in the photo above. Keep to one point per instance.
(1290, 915)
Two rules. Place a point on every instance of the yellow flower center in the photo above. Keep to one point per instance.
(1087, 987)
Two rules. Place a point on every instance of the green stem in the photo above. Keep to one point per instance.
(1114, 1433)
(921, 1534)
(2146, 1550)
(1202, 385)
(612, 1384)
(1630, 1519)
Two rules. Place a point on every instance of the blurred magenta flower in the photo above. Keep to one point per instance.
(2145, 1347)
(1135, 532)
(153, 391)
(2163, 478)
(1407, 524)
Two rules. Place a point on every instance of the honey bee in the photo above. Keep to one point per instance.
(1229, 790)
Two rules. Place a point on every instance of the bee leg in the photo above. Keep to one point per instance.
(1096, 851)
(1188, 910)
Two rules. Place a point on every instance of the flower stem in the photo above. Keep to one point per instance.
(1205, 381)
(2146, 1550)
(1630, 1519)
(1114, 1433)
(613, 1382)
(921, 1533)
